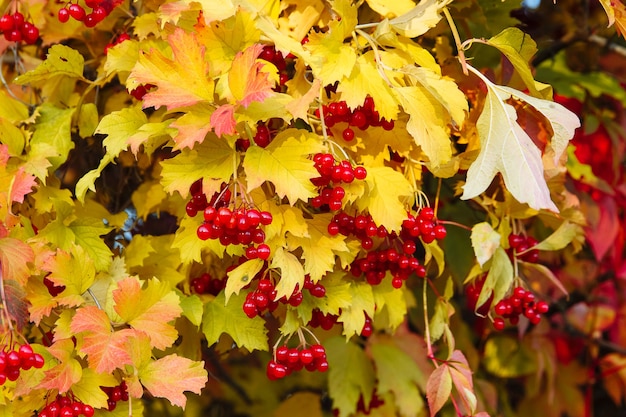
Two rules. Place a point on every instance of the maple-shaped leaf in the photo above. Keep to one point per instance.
(391, 305)
(172, 375)
(365, 79)
(285, 163)
(350, 375)
(331, 60)
(362, 302)
(21, 185)
(52, 133)
(507, 149)
(181, 81)
(61, 61)
(14, 258)
(106, 349)
(385, 197)
(193, 126)
(221, 317)
(419, 19)
(398, 373)
(223, 120)
(88, 390)
(318, 248)
(247, 79)
(214, 158)
(438, 388)
(67, 372)
(299, 107)
(74, 270)
(148, 310)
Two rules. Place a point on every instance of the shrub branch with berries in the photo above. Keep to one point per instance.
(311, 208)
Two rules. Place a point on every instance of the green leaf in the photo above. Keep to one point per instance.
(353, 317)
(398, 373)
(291, 272)
(350, 375)
(192, 308)
(186, 240)
(220, 317)
(285, 164)
(485, 241)
(561, 237)
(505, 357)
(60, 61)
(499, 278)
(391, 304)
(88, 389)
(12, 136)
(53, 128)
(119, 126)
(87, 233)
(242, 276)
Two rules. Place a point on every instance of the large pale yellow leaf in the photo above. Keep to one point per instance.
(241, 276)
(391, 9)
(507, 149)
(181, 81)
(353, 317)
(291, 272)
(285, 163)
(331, 59)
(485, 241)
(419, 19)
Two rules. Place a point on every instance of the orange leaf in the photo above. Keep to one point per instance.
(67, 372)
(4, 155)
(438, 388)
(21, 185)
(247, 80)
(180, 82)
(148, 310)
(170, 376)
(223, 120)
(14, 257)
(106, 349)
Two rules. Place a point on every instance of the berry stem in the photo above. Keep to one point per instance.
(5, 314)
(453, 223)
(429, 345)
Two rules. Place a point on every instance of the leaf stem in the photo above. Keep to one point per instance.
(453, 223)
(429, 346)
(457, 40)
(5, 312)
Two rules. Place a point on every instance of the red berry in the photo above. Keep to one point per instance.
(440, 232)
(306, 356)
(77, 12)
(515, 240)
(322, 365)
(542, 307)
(250, 309)
(6, 23)
(318, 351)
(13, 359)
(266, 218)
(263, 251)
(318, 290)
(18, 20)
(498, 323)
(88, 410)
(348, 134)
(203, 232)
(25, 351)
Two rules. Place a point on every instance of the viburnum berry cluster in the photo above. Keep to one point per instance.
(362, 117)
(397, 254)
(270, 54)
(17, 358)
(287, 360)
(521, 302)
(66, 406)
(264, 296)
(319, 319)
(16, 28)
(206, 284)
(100, 9)
(332, 174)
(116, 394)
(519, 246)
(122, 37)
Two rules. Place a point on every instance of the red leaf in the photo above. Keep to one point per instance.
(438, 388)
(22, 184)
(223, 120)
(247, 80)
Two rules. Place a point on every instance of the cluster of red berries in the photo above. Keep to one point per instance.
(66, 406)
(472, 292)
(16, 29)
(519, 246)
(262, 138)
(199, 200)
(325, 321)
(53, 289)
(122, 37)
(362, 117)
(115, 394)
(13, 361)
(233, 227)
(270, 54)
(332, 174)
(398, 256)
(100, 9)
(520, 302)
(286, 360)
(264, 296)
(205, 284)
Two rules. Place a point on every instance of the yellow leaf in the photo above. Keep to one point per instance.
(485, 241)
(241, 276)
(285, 164)
(248, 78)
(61, 61)
(331, 59)
(353, 317)
(122, 57)
(299, 107)
(391, 9)
(12, 136)
(148, 310)
(365, 79)
(391, 306)
(53, 128)
(291, 272)
(318, 248)
(507, 149)
(68, 370)
(348, 17)
(11, 109)
(74, 270)
(419, 19)
(384, 199)
(499, 278)
(181, 81)
(427, 123)
(193, 126)
(85, 389)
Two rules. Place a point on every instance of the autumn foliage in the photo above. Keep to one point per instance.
(311, 208)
